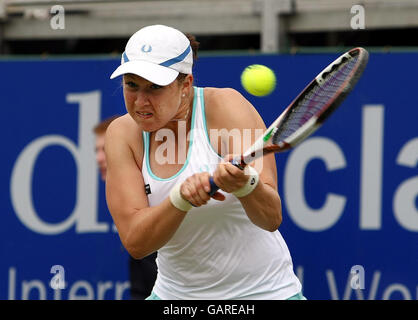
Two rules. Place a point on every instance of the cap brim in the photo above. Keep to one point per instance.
(154, 73)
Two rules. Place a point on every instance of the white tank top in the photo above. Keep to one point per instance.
(217, 253)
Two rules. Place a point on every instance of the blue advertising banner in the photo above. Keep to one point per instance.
(349, 192)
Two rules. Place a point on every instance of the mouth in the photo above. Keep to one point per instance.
(144, 115)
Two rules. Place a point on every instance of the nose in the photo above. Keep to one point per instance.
(100, 157)
(141, 98)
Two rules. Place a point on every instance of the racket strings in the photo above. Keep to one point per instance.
(315, 99)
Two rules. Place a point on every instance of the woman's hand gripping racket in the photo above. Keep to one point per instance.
(309, 110)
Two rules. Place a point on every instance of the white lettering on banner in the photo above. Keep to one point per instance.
(79, 290)
(397, 287)
(371, 168)
(386, 292)
(84, 215)
(28, 286)
(12, 281)
(305, 217)
(371, 177)
(404, 208)
(102, 287)
(299, 274)
(349, 288)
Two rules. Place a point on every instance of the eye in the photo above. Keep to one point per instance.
(131, 84)
(155, 86)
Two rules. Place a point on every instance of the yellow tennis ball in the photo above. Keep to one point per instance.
(258, 80)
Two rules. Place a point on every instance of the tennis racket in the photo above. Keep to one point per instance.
(309, 110)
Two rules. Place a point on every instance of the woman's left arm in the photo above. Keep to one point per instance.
(263, 204)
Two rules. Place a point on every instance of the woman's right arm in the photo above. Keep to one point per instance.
(142, 229)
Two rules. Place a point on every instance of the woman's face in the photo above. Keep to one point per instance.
(150, 105)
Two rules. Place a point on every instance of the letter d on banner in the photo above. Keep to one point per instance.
(85, 210)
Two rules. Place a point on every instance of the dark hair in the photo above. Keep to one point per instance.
(194, 44)
(102, 126)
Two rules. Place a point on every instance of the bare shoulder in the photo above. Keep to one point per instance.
(124, 132)
(216, 98)
(122, 125)
(227, 108)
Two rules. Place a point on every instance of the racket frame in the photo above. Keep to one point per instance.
(263, 144)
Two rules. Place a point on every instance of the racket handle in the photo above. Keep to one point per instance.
(213, 186)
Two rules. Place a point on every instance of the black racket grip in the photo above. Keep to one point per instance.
(213, 186)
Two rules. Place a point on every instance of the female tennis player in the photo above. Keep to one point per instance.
(160, 157)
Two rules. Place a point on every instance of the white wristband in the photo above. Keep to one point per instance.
(177, 200)
(250, 185)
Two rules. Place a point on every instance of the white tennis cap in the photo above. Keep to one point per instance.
(157, 53)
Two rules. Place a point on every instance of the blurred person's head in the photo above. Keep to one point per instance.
(100, 131)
